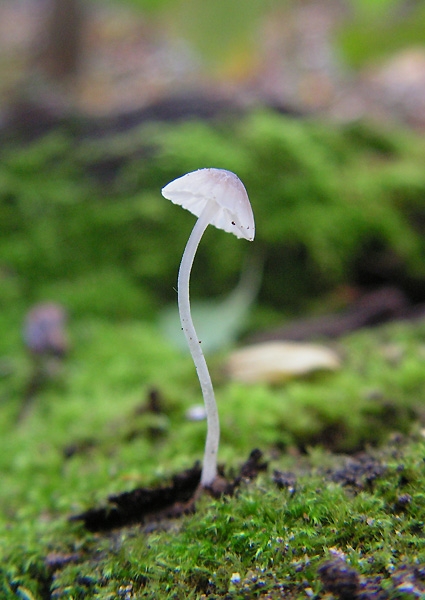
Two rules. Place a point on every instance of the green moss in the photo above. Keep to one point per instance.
(378, 29)
(75, 211)
(86, 437)
(83, 222)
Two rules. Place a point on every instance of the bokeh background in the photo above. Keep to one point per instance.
(319, 107)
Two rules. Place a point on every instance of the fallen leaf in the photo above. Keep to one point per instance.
(276, 362)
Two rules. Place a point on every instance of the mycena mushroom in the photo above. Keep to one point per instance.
(217, 197)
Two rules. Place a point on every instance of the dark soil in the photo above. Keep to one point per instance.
(356, 473)
(145, 505)
(345, 583)
(370, 309)
(155, 504)
(153, 507)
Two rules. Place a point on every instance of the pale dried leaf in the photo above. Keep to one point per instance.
(276, 362)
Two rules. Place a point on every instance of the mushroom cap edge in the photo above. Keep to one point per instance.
(196, 189)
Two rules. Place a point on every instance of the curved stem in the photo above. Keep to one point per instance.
(209, 468)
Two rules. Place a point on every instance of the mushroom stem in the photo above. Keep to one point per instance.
(209, 468)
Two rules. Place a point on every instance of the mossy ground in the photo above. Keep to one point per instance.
(85, 437)
(82, 219)
(82, 222)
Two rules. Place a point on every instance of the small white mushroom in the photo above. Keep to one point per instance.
(217, 197)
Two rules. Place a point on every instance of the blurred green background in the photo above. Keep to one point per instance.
(319, 107)
(298, 108)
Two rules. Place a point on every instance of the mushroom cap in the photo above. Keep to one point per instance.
(195, 190)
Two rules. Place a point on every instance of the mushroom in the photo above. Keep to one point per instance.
(217, 197)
